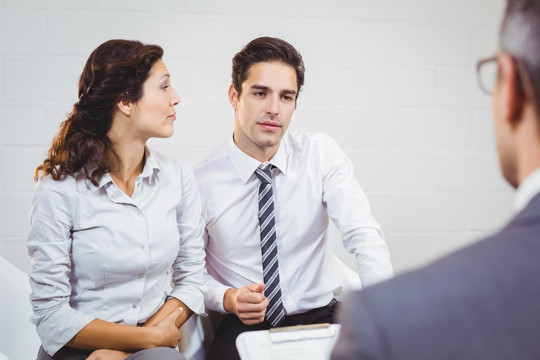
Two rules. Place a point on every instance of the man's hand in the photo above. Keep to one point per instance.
(105, 354)
(248, 303)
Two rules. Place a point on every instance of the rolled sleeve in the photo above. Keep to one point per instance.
(49, 246)
(60, 327)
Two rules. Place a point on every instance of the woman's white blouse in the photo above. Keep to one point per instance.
(98, 253)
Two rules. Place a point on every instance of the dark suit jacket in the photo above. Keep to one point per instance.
(482, 302)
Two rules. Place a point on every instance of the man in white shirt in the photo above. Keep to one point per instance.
(481, 302)
(267, 198)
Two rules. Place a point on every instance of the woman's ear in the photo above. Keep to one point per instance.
(125, 107)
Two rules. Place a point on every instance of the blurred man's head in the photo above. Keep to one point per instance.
(520, 38)
(516, 90)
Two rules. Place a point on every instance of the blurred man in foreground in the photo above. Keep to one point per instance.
(481, 302)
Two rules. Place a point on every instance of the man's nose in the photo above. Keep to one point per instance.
(272, 106)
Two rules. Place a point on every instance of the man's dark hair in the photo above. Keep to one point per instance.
(266, 49)
(520, 38)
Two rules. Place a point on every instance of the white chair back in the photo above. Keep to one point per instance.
(18, 337)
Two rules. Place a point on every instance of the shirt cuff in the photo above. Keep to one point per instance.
(192, 298)
(213, 298)
(57, 330)
(374, 270)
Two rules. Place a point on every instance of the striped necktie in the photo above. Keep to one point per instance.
(267, 223)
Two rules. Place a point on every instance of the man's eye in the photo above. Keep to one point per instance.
(259, 93)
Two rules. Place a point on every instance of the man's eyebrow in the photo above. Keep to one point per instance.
(290, 92)
(259, 87)
(266, 88)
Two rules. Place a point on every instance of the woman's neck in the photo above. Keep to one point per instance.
(127, 164)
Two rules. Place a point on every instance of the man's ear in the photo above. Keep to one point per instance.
(125, 107)
(233, 96)
(511, 97)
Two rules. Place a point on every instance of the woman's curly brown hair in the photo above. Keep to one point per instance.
(115, 71)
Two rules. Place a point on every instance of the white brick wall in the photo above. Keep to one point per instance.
(393, 81)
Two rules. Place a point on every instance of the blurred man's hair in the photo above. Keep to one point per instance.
(520, 38)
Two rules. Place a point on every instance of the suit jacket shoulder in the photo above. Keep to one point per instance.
(478, 303)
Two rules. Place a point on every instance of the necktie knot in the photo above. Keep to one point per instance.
(265, 175)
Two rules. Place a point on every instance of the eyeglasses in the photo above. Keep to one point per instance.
(486, 72)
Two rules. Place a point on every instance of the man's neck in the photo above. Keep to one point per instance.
(528, 146)
(261, 154)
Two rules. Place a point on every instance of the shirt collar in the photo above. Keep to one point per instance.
(150, 168)
(245, 165)
(528, 189)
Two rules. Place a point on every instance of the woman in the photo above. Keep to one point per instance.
(110, 217)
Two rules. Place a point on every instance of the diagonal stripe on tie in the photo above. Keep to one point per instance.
(263, 213)
(279, 315)
(268, 252)
(268, 223)
(276, 304)
(275, 312)
(267, 215)
(268, 237)
(273, 288)
(265, 175)
(264, 192)
(270, 264)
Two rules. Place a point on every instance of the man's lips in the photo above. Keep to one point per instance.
(269, 125)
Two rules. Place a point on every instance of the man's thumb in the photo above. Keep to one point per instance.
(257, 288)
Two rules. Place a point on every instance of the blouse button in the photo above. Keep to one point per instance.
(141, 276)
(134, 306)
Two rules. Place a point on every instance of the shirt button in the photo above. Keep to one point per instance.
(134, 306)
(142, 247)
(141, 276)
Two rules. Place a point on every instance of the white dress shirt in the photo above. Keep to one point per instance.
(528, 189)
(98, 253)
(313, 182)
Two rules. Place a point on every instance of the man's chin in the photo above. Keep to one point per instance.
(270, 143)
